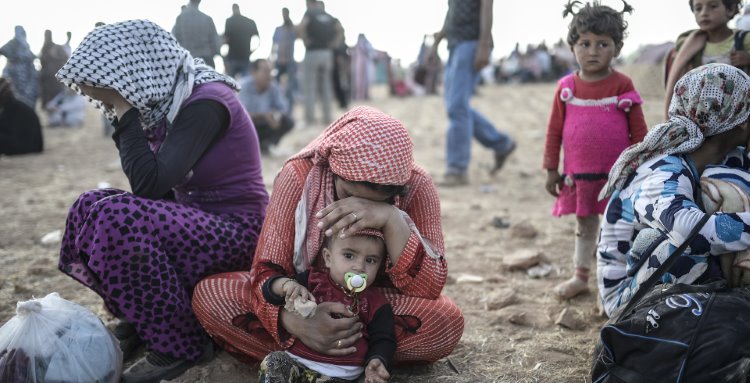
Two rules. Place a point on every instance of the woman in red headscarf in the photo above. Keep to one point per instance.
(359, 173)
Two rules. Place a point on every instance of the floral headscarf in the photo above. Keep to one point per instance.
(708, 100)
(363, 145)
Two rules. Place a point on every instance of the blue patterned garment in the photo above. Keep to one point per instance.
(657, 204)
(19, 69)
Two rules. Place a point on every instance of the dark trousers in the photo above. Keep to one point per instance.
(268, 136)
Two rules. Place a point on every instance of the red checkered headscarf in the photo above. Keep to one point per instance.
(363, 145)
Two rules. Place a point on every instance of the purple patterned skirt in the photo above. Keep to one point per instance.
(144, 257)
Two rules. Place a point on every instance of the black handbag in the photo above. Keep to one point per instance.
(677, 333)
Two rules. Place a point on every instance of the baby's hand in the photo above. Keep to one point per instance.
(293, 290)
(375, 372)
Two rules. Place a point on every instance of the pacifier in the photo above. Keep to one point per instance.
(355, 282)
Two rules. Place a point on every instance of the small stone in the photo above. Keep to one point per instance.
(487, 189)
(524, 230)
(523, 259)
(569, 319)
(475, 206)
(18, 289)
(450, 280)
(499, 223)
(499, 299)
(51, 238)
(469, 278)
(496, 279)
(522, 316)
(540, 271)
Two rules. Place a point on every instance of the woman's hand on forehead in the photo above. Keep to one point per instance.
(352, 214)
(108, 96)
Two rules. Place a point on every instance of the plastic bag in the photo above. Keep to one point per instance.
(53, 340)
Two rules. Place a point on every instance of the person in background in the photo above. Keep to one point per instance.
(196, 32)
(197, 198)
(52, 57)
(468, 27)
(282, 55)
(68, 48)
(712, 42)
(238, 35)
(362, 68)
(262, 98)
(20, 130)
(320, 33)
(66, 109)
(341, 75)
(19, 69)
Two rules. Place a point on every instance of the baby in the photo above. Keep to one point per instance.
(351, 265)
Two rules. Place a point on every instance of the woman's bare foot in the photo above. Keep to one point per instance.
(570, 288)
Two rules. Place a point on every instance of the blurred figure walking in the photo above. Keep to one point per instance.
(196, 32)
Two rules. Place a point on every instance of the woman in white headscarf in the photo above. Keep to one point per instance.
(197, 198)
(654, 185)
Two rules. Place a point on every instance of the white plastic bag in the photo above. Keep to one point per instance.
(52, 340)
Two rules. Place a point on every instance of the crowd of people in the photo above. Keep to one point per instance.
(32, 87)
(197, 253)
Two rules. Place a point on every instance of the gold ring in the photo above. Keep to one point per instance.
(338, 343)
(355, 217)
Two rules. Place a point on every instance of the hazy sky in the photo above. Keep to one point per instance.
(396, 26)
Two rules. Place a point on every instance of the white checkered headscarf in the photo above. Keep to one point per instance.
(144, 63)
(708, 100)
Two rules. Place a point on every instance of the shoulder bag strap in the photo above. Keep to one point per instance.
(651, 281)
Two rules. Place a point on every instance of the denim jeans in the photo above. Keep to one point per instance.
(464, 121)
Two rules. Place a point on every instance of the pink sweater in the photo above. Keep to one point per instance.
(594, 122)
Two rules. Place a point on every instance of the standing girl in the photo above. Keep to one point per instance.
(596, 114)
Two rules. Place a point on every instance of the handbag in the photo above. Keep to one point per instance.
(677, 332)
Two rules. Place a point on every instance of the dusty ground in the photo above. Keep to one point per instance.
(517, 343)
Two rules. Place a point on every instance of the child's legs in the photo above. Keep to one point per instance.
(587, 231)
(587, 234)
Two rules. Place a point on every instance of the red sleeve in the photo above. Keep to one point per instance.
(276, 247)
(417, 273)
(554, 133)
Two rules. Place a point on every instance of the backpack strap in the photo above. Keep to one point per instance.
(646, 286)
